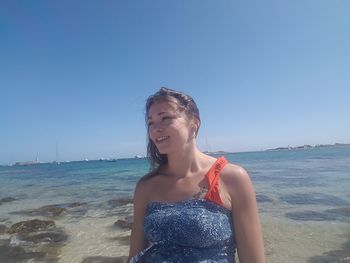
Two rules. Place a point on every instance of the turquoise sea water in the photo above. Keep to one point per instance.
(303, 197)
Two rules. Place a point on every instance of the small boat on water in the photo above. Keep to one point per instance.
(111, 160)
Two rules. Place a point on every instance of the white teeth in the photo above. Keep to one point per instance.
(162, 138)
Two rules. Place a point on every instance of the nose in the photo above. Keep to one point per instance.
(156, 127)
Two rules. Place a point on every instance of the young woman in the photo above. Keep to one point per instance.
(190, 207)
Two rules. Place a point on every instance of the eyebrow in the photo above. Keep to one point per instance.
(160, 113)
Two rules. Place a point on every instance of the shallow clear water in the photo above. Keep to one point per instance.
(295, 189)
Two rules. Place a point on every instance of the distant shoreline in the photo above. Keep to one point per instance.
(307, 146)
(289, 148)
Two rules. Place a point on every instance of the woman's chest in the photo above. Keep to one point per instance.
(171, 191)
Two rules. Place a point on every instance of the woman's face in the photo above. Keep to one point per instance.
(169, 128)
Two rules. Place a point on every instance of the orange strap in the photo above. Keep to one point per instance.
(213, 180)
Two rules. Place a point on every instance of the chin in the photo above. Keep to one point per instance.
(164, 150)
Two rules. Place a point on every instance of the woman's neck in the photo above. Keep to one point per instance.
(185, 163)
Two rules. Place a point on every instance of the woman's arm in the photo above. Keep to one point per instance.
(245, 216)
(138, 240)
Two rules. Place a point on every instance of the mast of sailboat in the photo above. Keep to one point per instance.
(56, 152)
(207, 145)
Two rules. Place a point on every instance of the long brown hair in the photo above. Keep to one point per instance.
(185, 103)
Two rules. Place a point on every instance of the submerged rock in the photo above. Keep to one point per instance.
(3, 229)
(313, 199)
(74, 204)
(76, 209)
(120, 201)
(7, 199)
(33, 241)
(263, 198)
(10, 254)
(310, 216)
(100, 259)
(123, 223)
(53, 210)
(336, 256)
(343, 211)
(31, 226)
(51, 237)
(48, 211)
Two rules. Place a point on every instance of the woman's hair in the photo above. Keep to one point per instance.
(186, 104)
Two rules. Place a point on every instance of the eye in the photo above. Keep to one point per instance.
(149, 124)
(165, 118)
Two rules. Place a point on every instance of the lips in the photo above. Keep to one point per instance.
(162, 139)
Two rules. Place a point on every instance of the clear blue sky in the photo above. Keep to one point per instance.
(264, 73)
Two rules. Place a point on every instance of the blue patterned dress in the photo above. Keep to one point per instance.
(189, 231)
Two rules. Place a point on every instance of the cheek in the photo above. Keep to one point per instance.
(183, 131)
(151, 137)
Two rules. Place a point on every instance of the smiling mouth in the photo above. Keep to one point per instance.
(161, 139)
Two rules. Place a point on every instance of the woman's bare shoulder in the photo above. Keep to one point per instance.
(234, 172)
(144, 189)
(235, 178)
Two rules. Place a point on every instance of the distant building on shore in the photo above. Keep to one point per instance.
(307, 146)
(36, 161)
